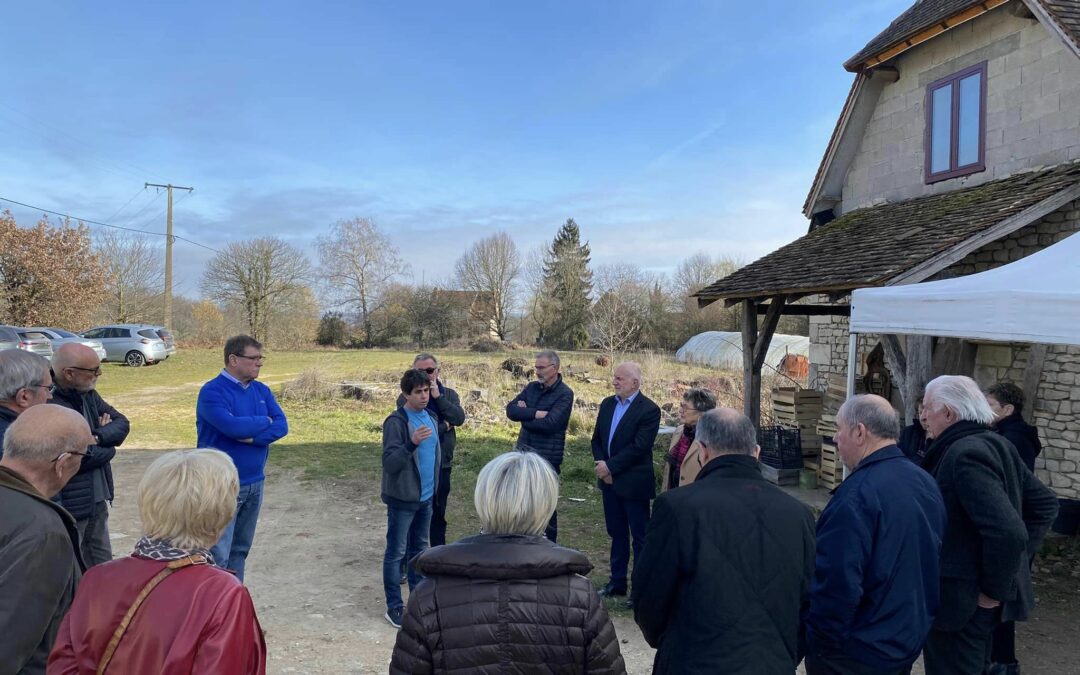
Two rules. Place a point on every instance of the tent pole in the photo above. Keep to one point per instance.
(852, 362)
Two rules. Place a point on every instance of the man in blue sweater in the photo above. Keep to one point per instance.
(239, 416)
(411, 462)
(875, 588)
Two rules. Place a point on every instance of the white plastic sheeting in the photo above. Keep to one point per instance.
(1035, 299)
(721, 349)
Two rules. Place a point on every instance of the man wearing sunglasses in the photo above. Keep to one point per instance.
(239, 416)
(444, 406)
(25, 381)
(39, 556)
(87, 496)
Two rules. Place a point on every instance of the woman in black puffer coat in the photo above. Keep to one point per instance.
(507, 600)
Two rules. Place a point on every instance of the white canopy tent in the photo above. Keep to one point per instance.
(1035, 299)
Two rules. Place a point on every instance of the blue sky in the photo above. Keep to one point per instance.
(664, 129)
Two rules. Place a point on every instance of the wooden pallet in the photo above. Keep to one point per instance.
(831, 469)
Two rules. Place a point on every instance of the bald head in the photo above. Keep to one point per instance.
(76, 366)
(626, 380)
(726, 431)
(45, 445)
(864, 425)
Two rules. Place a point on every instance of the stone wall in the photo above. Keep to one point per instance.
(1057, 403)
(1032, 116)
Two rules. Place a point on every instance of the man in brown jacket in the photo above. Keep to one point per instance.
(39, 549)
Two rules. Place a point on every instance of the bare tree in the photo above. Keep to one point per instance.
(491, 266)
(255, 274)
(618, 316)
(692, 275)
(134, 276)
(358, 264)
(539, 314)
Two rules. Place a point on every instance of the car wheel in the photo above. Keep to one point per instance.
(135, 359)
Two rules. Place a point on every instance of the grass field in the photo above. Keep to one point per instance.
(339, 439)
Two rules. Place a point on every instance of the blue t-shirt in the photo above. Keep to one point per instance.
(425, 452)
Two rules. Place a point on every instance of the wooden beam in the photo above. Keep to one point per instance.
(1032, 377)
(896, 362)
(919, 357)
(751, 379)
(932, 32)
(768, 329)
(809, 310)
(931, 266)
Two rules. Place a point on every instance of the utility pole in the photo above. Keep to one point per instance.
(168, 252)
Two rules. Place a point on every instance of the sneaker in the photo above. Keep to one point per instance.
(394, 616)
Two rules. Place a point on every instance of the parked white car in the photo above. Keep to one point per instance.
(59, 336)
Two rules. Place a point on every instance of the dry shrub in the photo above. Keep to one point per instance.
(314, 384)
(486, 346)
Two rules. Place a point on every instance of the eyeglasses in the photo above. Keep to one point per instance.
(429, 371)
(62, 454)
(95, 371)
(257, 359)
(46, 387)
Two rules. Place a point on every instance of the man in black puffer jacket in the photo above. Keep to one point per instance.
(1007, 401)
(543, 408)
(76, 369)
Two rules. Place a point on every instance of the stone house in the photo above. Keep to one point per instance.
(954, 153)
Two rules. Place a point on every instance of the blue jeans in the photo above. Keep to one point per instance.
(231, 551)
(407, 528)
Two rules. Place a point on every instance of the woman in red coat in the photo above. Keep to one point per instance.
(193, 617)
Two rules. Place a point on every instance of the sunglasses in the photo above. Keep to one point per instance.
(429, 371)
(95, 371)
(257, 359)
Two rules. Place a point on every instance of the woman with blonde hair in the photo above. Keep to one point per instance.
(508, 597)
(166, 609)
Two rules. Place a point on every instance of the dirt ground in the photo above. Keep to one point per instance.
(315, 573)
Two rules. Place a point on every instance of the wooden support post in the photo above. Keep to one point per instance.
(1032, 376)
(751, 378)
(919, 358)
(896, 362)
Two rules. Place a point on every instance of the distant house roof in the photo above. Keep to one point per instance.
(879, 244)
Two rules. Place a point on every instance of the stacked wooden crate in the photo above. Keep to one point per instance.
(830, 471)
(801, 408)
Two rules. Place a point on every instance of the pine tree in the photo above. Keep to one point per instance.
(567, 286)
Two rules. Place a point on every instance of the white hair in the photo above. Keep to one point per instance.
(187, 497)
(961, 395)
(516, 493)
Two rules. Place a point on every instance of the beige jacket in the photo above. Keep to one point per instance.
(691, 463)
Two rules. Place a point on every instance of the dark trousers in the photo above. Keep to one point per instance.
(819, 665)
(94, 535)
(1004, 649)
(438, 508)
(552, 530)
(624, 518)
(965, 651)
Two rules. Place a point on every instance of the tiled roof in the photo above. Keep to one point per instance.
(920, 16)
(870, 246)
(1066, 13)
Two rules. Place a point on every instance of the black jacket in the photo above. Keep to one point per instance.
(546, 437)
(1023, 436)
(997, 511)
(78, 495)
(725, 573)
(7, 416)
(451, 416)
(630, 457)
(913, 442)
(505, 604)
(400, 463)
(41, 566)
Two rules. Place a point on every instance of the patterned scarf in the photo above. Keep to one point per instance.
(160, 549)
(678, 453)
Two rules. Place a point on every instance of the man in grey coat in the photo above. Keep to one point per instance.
(997, 513)
(39, 545)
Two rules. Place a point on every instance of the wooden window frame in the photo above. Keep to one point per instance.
(954, 126)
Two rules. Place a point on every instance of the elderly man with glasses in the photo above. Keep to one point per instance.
(239, 416)
(39, 545)
(76, 369)
(25, 381)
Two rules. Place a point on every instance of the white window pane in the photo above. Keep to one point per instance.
(970, 99)
(941, 124)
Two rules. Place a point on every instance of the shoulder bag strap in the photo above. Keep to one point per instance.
(151, 585)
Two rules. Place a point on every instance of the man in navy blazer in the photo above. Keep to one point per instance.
(622, 445)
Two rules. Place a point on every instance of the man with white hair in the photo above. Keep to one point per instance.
(876, 575)
(622, 447)
(25, 381)
(39, 545)
(997, 515)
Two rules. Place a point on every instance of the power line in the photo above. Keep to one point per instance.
(98, 222)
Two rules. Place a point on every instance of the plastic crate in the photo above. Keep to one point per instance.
(781, 447)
